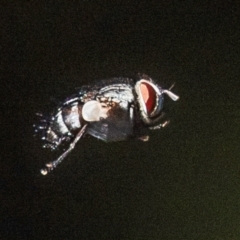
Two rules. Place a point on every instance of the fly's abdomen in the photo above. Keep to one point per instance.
(60, 127)
(71, 116)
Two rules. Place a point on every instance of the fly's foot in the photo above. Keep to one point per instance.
(165, 123)
(144, 138)
(159, 126)
(49, 167)
(44, 171)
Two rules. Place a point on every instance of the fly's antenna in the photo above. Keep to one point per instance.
(173, 96)
(171, 86)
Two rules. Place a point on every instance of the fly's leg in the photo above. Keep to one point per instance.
(144, 138)
(161, 125)
(51, 165)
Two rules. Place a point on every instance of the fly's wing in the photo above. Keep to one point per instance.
(117, 127)
(120, 121)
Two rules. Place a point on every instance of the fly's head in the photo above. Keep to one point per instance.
(150, 98)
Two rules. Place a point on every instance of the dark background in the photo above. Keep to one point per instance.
(182, 184)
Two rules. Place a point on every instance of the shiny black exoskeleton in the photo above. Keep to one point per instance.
(111, 110)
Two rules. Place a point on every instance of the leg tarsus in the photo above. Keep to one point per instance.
(144, 138)
(161, 125)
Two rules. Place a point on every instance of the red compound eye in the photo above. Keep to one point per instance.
(149, 96)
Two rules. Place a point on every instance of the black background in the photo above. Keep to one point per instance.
(184, 182)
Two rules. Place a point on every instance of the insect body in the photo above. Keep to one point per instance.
(111, 110)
